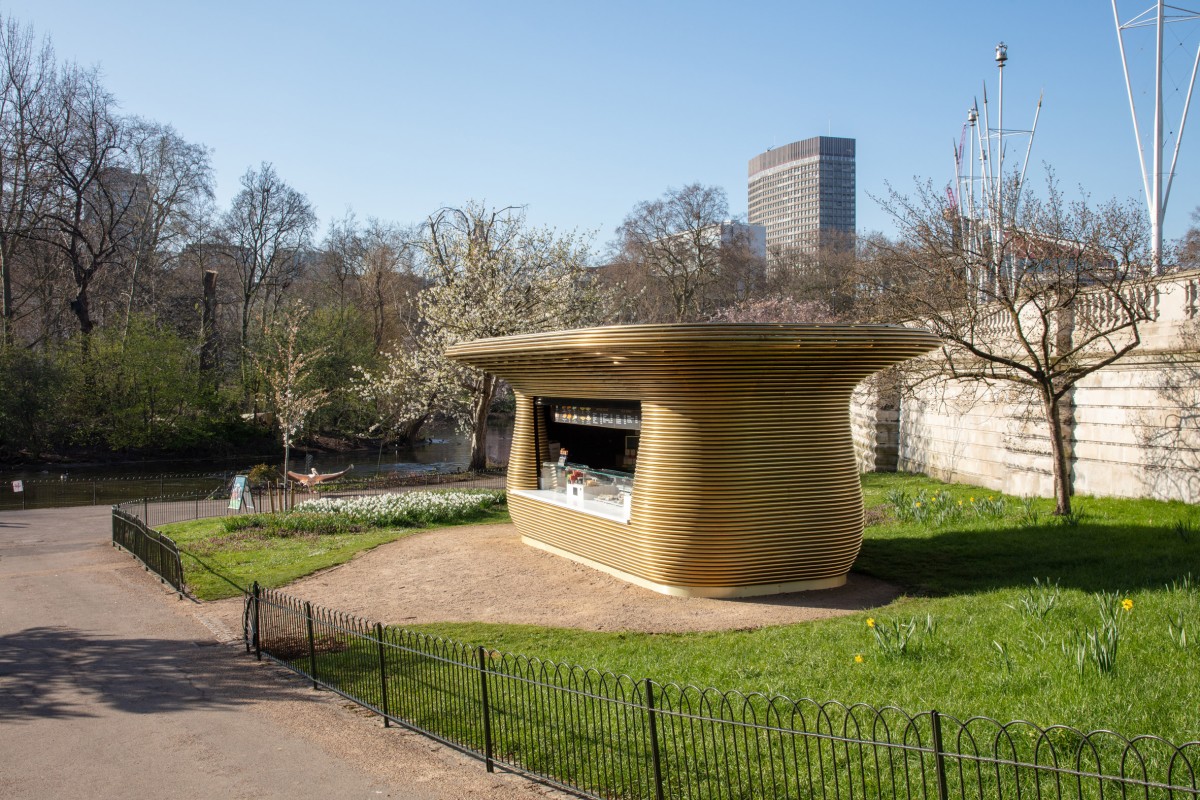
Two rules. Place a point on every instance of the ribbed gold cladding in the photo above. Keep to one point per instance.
(746, 480)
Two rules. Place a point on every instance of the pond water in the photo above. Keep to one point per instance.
(444, 450)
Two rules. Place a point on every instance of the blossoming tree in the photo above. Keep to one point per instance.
(287, 371)
(492, 274)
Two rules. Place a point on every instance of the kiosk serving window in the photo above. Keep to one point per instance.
(588, 453)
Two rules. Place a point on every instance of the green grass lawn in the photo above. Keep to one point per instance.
(995, 650)
(219, 563)
(1011, 600)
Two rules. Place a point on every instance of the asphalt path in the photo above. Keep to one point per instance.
(112, 687)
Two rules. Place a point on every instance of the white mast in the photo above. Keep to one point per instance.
(993, 219)
(1156, 193)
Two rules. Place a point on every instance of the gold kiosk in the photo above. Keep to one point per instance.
(709, 460)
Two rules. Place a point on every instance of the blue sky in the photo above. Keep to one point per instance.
(581, 110)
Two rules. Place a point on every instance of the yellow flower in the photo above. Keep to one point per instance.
(858, 659)
(918, 505)
(870, 622)
(1127, 604)
(960, 502)
(972, 499)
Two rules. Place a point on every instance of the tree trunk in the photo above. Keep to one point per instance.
(287, 481)
(1058, 453)
(244, 354)
(479, 431)
(208, 330)
(6, 303)
(408, 434)
(81, 308)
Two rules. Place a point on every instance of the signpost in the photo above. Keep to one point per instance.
(238, 493)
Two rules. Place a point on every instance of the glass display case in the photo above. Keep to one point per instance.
(583, 485)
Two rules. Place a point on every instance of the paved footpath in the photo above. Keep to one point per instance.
(111, 687)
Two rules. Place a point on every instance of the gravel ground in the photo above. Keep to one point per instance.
(484, 573)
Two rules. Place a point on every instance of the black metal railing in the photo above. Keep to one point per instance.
(66, 491)
(155, 550)
(134, 521)
(602, 735)
(155, 511)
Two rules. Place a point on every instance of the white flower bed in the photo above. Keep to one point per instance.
(408, 508)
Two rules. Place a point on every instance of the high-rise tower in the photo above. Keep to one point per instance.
(803, 193)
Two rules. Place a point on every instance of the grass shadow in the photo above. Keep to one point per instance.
(1092, 557)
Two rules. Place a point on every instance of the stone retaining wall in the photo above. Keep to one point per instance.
(1134, 427)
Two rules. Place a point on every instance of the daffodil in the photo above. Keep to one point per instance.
(1127, 604)
(870, 622)
(858, 659)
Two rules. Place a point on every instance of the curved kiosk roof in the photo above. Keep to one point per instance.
(745, 482)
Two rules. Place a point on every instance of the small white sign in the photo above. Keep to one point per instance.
(18, 486)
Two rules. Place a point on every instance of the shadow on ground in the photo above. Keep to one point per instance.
(54, 672)
(1091, 557)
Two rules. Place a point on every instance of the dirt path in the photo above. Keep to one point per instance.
(483, 573)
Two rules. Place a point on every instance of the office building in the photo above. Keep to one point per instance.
(803, 194)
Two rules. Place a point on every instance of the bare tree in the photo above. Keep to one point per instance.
(823, 277)
(389, 281)
(264, 231)
(1189, 246)
(174, 181)
(683, 248)
(1062, 296)
(342, 257)
(775, 309)
(25, 106)
(89, 214)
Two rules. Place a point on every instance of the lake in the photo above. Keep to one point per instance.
(444, 450)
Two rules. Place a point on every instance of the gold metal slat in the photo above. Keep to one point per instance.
(746, 480)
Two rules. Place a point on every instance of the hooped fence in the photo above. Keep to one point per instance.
(156, 551)
(134, 521)
(603, 735)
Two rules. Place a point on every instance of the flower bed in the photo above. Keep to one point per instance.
(408, 508)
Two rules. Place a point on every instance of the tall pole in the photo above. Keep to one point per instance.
(1001, 58)
(1157, 180)
(1156, 219)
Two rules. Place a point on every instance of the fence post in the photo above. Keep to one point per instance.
(655, 756)
(93, 491)
(257, 638)
(487, 718)
(387, 720)
(939, 754)
(312, 645)
(146, 510)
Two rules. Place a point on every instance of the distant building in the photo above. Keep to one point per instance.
(740, 234)
(803, 194)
